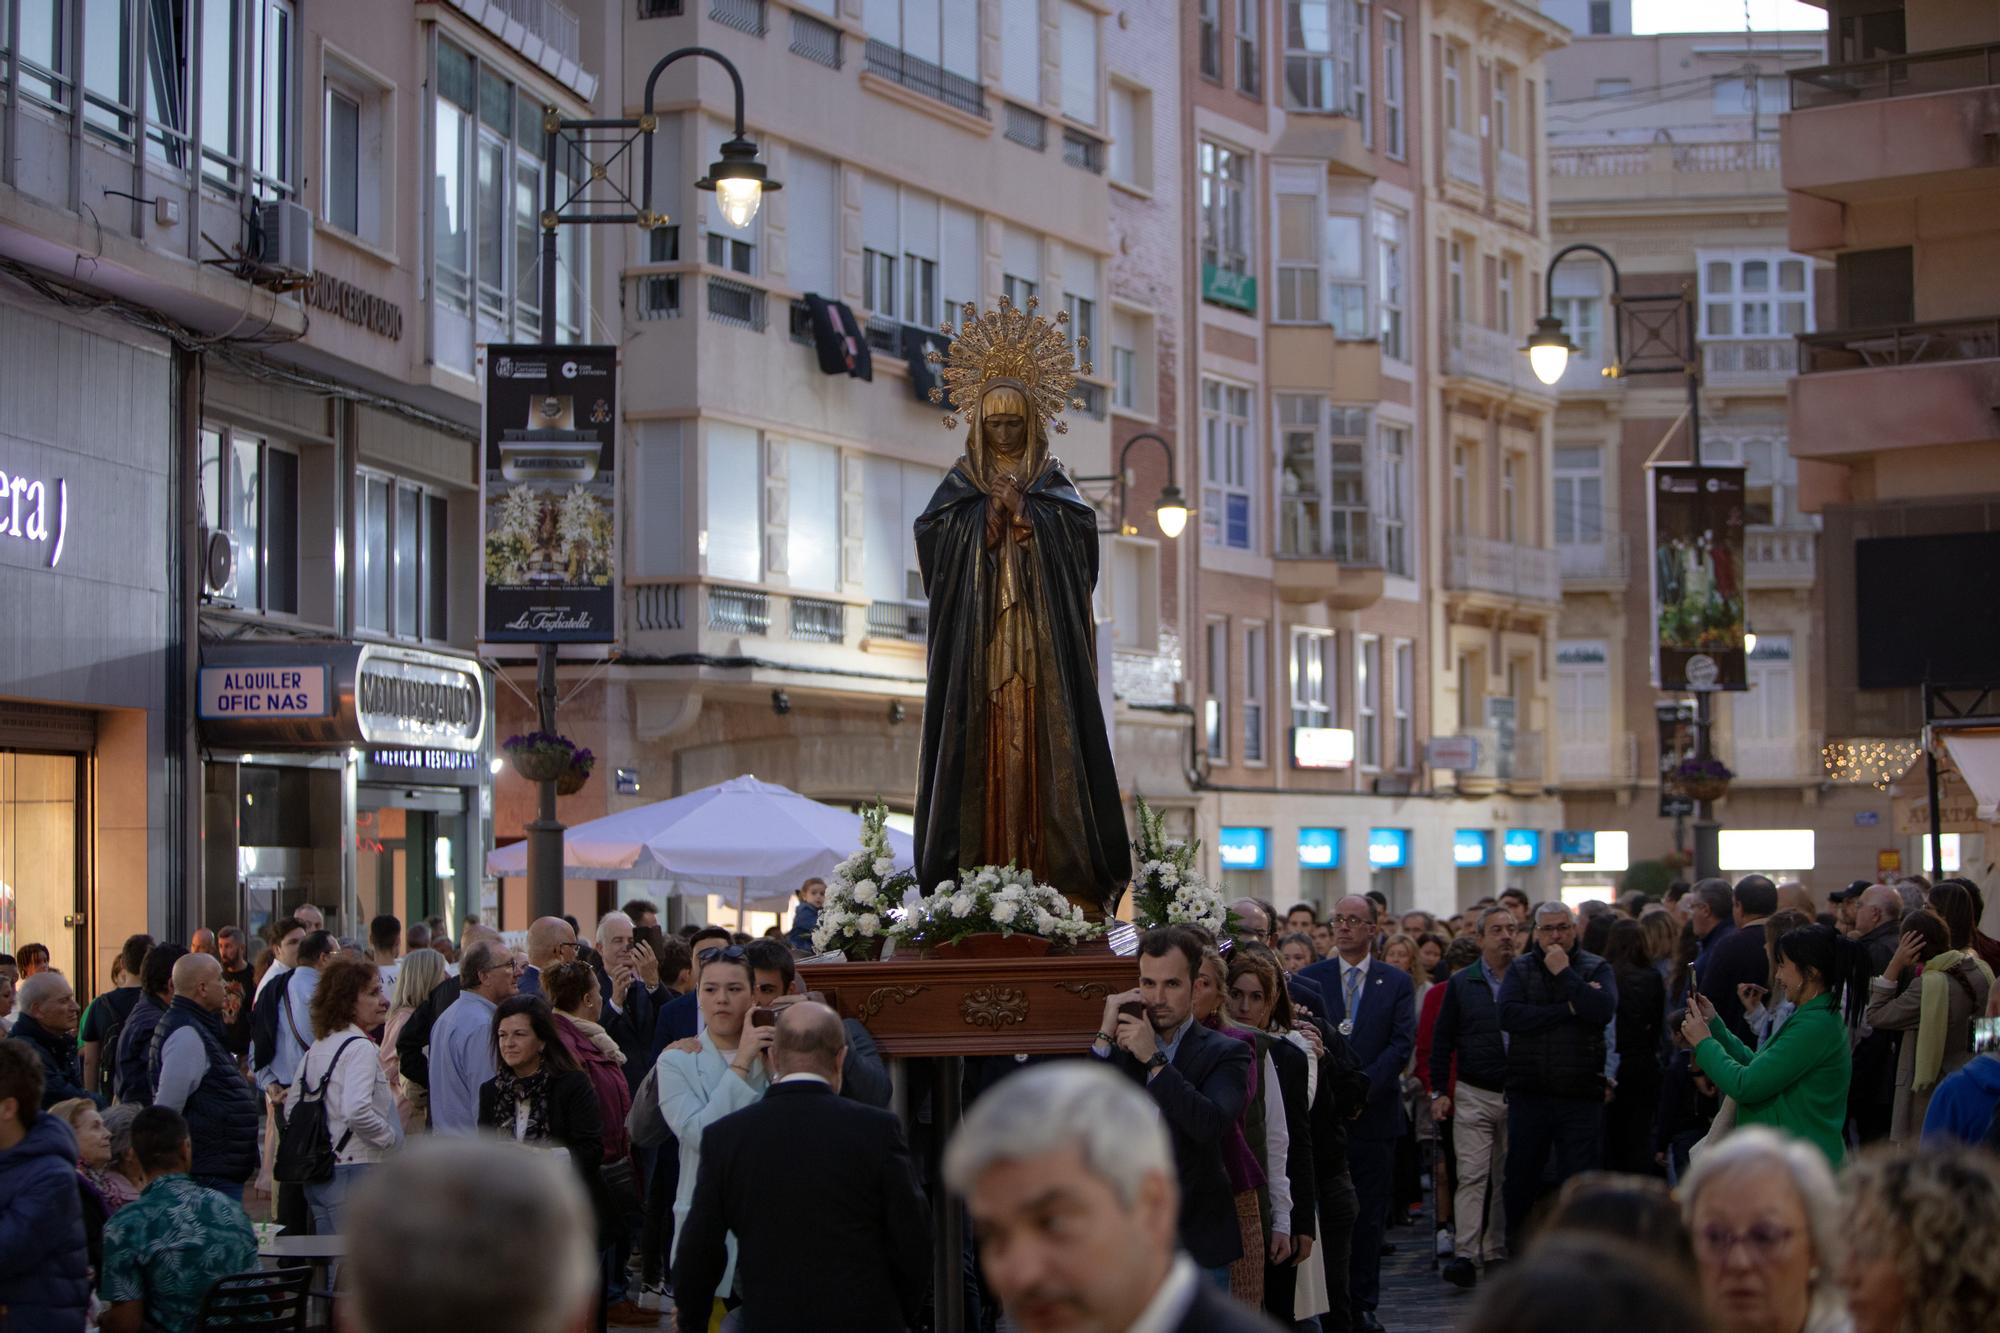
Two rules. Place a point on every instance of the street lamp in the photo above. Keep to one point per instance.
(1170, 510)
(740, 183)
(1549, 349)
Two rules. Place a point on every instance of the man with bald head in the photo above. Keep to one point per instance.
(867, 1264)
(192, 1071)
(1374, 1007)
(551, 940)
(202, 941)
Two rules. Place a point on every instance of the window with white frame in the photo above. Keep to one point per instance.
(1503, 296)
(1256, 654)
(357, 164)
(1347, 507)
(893, 494)
(1510, 499)
(1394, 135)
(1311, 65)
(1228, 503)
(1368, 699)
(1461, 489)
(732, 534)
(1297, 219)
(918, 254)
(812, 516)
(1579, 303)
(1503, 108)
(1301, 475)
(1770, 476)
(1021, 53)
(1389, 255)
(1579, 494)
(1403, 693)
(1132, 362)
(1215, 692)
(1131, 154)
(1755, 294)
(1313, 669)
(812, 231)
(1080, 300)
(1454, 287)
(1249, 49)
(1078, 32)
(1020, 265)
(401, 543)
(1355, 53)
(250, 490)
(1393, 508)
(1763, 719)
(244, 68)
(1209, 37)
(1454, 96)
(1347, 274)
(1225, 207)
(1582, 689)
(943, 32)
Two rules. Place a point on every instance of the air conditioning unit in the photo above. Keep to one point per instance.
(218, 564)
(285, 237)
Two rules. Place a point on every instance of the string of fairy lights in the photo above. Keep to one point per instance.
(1877, 761)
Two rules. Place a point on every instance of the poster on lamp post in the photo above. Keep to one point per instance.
(1695, 517)
(549, 493)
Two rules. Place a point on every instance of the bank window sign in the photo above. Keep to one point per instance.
(1522, 847)
(1244, 848)
(1319, 848)
(1388, 848)
(1576, 845)
(1469, 847)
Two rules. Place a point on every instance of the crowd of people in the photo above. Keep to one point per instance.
(1727, 1108)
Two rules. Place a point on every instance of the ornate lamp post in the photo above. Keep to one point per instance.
(1170, 510)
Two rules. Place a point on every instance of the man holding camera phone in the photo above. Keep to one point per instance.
(1199, 1080)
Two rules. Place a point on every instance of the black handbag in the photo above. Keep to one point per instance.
(306, 1150)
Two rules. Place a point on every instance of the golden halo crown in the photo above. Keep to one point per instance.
(1009, 344)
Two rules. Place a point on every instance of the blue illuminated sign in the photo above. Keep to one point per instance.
(1244, 848)
(1388, 848)
(1522, 847)
(1576, 845)
(1469, 846)
(1319, 848)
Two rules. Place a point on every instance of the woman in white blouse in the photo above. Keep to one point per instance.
(361, 1117)
(704, 1079)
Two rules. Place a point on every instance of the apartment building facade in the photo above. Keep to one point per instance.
(1888, 177)
(249, 249)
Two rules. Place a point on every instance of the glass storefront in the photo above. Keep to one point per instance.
(411, 855)
(43, 888)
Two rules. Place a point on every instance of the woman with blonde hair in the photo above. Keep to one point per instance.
(421, 972)
(1924, 1229)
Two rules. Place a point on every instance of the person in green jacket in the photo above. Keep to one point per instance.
(1798, 1082)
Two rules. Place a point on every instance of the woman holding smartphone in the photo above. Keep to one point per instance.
(706, 1078)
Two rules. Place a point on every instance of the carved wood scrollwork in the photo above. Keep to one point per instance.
(994, 1007)
(879, 998)
(1085, 990)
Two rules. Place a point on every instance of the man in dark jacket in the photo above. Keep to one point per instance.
(1740, 956)
(47, 1022)
(868, 1266)
(1554, 1009)
(135, 1042)
(628, 977)
(105, 1018)
(195, 1074)
(1198, 1078)
(1069, 1180)
(1473, 1096)
(1871, 1091)
(44, 1264)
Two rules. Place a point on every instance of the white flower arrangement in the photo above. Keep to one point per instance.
(994, 899)
(867, 894)
(1167, 887)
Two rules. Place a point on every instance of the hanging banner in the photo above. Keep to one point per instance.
(549, 494)
(1677, 743)
(1695, 517)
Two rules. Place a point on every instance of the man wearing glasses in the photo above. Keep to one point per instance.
(1555, 1005)
(551, 940)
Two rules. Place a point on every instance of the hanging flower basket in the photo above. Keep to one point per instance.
(541, 756)
(1701, 779)
(577, 774)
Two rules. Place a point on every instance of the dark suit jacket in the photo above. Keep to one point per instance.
(1300, 1167)
(832, 1230)
(1213, 1312)
(678, 1018)
(413, 1042)
(1738, 957)
(1308, 993)
(1201, 1095)
(1385, 1034)
(631, 1025)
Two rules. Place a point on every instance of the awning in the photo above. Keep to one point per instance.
(1976, 755)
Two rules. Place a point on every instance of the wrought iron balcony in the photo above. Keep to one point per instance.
(1945, 70)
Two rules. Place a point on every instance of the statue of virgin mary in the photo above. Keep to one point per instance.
(1016, 767)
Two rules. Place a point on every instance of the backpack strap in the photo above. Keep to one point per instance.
(285, 1008)
(327, 1078)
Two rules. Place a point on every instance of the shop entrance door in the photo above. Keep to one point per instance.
(44, 860)
(411, 854)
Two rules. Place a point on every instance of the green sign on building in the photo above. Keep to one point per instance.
(1224, 287)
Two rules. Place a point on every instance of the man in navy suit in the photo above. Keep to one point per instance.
(1374, 1007)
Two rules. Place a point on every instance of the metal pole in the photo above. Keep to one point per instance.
(1707, 830)
(545, 832)
(1931, 779)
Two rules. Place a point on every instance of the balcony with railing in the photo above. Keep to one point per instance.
(1083, 151)
(1748, 362)
(818, 620)
(1329, 553)
(1593, 562)
(1513, 180)
(921, 76)
(1030, 129)
(1868, 391)
(899, 622)
(743, 15)
(1463, 159)
(739, 611)
(815, 39)
(1475, 352)
(1603, 760)
(1507, 757)
(1503, 569)
(1596, 173)
(1857, 127)
(1780, 557)
(669, 615)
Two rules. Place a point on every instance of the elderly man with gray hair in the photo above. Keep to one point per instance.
(470, 1234)
(461, 1042)
(1067, 1173)
(628, 976)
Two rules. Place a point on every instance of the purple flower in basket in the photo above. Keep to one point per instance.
(1701, 770)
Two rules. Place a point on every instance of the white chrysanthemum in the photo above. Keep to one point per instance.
(961, 904)
(868, 923)
(884, 866)
(1005, 911)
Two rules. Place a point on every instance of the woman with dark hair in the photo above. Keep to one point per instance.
(362, 1120)
(579, 1004)
(1798, 1082)
(1763, 1010)
(1952, 904)
(1945, 989)
(1642, 1021)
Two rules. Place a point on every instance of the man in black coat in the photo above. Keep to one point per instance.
(1198, 1078)
(1740, 956)
(832, 1230)
(1068, 1176)
(47, 1020)
(628, 977)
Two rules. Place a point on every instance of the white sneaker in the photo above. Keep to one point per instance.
(1444, 1243)
(652, 1296)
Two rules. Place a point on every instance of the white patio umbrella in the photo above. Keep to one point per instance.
(757, 838)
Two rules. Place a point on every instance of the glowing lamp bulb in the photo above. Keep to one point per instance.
(739, 198)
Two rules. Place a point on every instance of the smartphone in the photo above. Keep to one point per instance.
(1985, 1035)
(762, 1017)
(1134, 1008)
(1693, 984)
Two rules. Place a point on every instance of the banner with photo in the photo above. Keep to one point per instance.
(549, 495)
(1695, 517)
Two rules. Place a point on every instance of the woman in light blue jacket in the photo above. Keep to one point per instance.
(711, 1076)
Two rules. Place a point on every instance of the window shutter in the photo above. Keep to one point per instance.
(661, 496)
